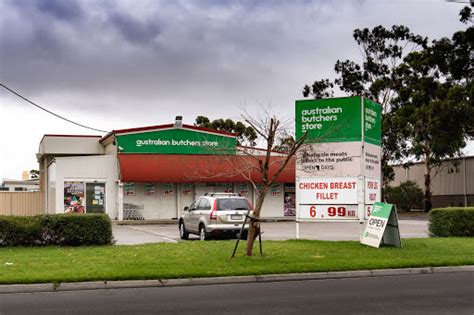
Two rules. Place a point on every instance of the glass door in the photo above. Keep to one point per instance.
(95, 197)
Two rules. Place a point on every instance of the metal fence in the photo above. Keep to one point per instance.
(22, 203)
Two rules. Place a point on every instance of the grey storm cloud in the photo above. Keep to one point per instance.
(138, 55)
(133, 29)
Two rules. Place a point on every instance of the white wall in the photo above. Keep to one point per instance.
(88, 169)
(185, 200)
(273, 204)
(155, 207)
(54, 144)
(51, 189)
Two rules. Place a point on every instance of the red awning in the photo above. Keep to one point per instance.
(176, 168)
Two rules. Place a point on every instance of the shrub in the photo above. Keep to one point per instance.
(77, 229)
(19, 231)
(58, 229)
(407, 196)
(455, 221)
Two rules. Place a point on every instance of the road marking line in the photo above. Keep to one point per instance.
(153, 233)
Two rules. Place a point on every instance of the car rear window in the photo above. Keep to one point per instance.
(232, 204)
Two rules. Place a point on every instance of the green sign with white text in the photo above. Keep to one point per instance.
(329, 120)
(372, 122)
(382, 225)
(338, 120)
(176, 141)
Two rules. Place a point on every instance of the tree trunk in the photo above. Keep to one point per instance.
(254, 226)
(427, 186)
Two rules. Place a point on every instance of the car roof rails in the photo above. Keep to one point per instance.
(215, 194)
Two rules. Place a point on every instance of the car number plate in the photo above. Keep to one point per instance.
(236, 217)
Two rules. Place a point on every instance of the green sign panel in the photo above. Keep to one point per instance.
(338, 120)
(372, 122)
(176, 141)
(382, 226)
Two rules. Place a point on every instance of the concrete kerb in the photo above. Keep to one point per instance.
(101, 285)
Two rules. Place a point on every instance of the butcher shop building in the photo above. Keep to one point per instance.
(152, 173)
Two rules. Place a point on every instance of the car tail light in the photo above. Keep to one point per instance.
(250, 204)
(213, 215)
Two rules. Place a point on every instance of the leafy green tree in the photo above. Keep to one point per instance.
(246, 134)
(407, 196)
(382, 51)
(284, 143)
(434, 109)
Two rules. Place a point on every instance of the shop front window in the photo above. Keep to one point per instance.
(95, 197)
(74, 197)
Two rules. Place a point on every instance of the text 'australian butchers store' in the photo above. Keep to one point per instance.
(340, 159)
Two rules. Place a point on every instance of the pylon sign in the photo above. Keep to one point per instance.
(338, 168)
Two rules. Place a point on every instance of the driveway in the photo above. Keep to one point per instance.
(157, 233)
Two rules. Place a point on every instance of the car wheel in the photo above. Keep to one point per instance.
(202, 233)
(182, 231)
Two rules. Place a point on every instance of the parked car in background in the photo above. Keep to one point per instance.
(215, 214)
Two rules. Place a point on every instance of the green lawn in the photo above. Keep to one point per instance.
(205, 259)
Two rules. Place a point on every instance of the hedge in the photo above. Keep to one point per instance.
(455, 221)
(56, 229)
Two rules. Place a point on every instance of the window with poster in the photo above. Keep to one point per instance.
(82, 197)
(74, 197)
(289, 207)
(95, 197)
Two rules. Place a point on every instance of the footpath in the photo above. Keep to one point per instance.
(107, 285)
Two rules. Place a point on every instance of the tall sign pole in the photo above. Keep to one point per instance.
(338, 168)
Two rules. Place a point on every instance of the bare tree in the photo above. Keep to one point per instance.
(269, 128)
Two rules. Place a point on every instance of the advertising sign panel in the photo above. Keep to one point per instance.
(328, 159)
(329, 120)
(327, 198)
(372, 122)
(328, 190)
(382, 225)
(372, 158)
(176, 141)
(338, 167)
(328, 212)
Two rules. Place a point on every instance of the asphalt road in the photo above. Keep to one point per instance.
(139, 234)
(448, 293)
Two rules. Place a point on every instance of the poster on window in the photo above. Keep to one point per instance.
(228, 188)
(74, 197)
(289, 206)
(244, 189)
(186, 189)
(276, 190)
(167, 189)
(129, 189)
(150, 189)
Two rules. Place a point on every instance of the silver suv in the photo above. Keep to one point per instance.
(215, 214)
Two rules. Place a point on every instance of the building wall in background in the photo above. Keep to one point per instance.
(452, 184)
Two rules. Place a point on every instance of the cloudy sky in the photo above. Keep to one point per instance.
(119, 64)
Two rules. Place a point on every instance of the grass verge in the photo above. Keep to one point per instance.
(209, 259)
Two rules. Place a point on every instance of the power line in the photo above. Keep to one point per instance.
(48, 111)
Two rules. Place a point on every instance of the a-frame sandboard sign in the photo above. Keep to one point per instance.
(382, 226)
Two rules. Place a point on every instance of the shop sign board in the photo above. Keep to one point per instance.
(328, 190)
(328, 159)
(342, 147)
(176, 141)
(382, 226)
(327, 198)
(339, 120)
(372, 190)
(341, 212)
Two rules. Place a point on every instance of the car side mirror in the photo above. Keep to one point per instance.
(186, 209)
